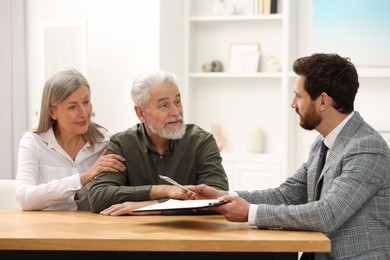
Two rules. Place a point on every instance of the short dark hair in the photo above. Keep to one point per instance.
(332, 74)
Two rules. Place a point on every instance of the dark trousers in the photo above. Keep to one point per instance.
(307, 256)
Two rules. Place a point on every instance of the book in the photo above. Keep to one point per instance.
(274, 6)
(257, 7)
(182, 204)
(266, 7)
(270, 6)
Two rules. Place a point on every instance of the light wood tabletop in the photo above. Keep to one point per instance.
(78, 230)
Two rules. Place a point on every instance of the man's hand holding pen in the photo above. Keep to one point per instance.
(206, 192)
(171, 181)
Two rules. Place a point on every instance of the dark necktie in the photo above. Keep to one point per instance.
(321, 163)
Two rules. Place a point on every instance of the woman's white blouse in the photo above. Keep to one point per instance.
(48, 178)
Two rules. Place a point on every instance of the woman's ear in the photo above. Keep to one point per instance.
(52, 114)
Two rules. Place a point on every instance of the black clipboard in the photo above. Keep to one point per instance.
(172, 204)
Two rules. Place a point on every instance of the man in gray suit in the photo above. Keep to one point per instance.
(353, 205)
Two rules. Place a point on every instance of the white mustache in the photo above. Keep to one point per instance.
(169, 120)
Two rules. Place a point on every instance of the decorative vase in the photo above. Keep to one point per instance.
(255, 140)
(222, 8)
(216, 130)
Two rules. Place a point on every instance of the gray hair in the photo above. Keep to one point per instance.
(57, 88)
(141, 87)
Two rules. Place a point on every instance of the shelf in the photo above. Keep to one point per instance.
(223, 97)
(226, 75)
(374, 72)
(227, 18)
(250, 157)
(377, 72)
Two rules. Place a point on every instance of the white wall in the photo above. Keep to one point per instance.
(372, 97)
(118, 40)
(121, 39)
(373, 91)
(12, 87)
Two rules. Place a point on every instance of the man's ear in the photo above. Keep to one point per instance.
(325, 100)
(140, 113)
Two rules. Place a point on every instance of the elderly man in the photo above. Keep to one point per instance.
(161, 144)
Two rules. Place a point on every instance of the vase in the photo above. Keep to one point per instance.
(255, 140)
(216, 130)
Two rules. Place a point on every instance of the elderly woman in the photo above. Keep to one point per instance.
(58, 159)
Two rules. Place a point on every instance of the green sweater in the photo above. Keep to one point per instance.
(193, 159)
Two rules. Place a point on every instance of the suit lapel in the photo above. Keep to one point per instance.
(341, 141)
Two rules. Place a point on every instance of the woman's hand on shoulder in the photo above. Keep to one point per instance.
(105, 163)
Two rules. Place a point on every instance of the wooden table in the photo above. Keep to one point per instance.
(78, 231)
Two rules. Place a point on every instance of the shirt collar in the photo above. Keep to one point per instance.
(331, 137)
(148, 143)
(49, 138)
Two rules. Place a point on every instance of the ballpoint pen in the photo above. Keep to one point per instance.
(167, 179)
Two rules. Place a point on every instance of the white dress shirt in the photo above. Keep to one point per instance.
(48, 178)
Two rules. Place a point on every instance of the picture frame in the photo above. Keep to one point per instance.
(244, 57)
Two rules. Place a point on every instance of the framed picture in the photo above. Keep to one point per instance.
(244, 57)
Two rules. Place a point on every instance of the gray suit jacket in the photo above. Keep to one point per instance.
(354, 207)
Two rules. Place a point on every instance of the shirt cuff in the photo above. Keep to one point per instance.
(252, 215)
(232, 193)
(252, 210)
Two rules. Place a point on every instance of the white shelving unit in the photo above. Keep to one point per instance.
(239, 102)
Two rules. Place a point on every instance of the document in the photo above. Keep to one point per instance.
(182, 204)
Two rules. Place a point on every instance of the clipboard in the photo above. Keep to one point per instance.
(172, 204)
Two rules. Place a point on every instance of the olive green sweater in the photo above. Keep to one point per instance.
(193, 159)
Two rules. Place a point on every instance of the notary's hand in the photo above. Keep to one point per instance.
(206, 192)
(237, 210)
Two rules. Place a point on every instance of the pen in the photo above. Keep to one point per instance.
(219, 202)
(167, 179)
